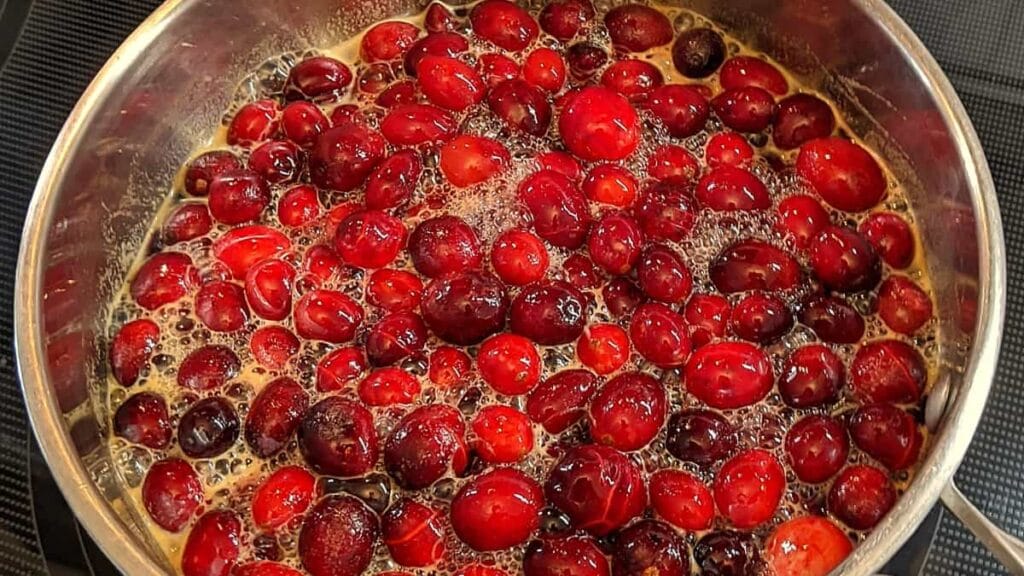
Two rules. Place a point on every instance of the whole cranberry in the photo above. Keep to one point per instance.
(404, 92)
(634, 79)
(801, 218)
(801, 118)
(389, 386)
(277, 162)
(327, 315)
(888, 371)
(727, 553)
(563, 19)
(387, 41)
(887, 434)
(143, 419)
(416, 124)
(666, 211)
(561, 400)
(253, 123)
(465, 307)
(425, 445)
(521, 106)
(337, 437)
(468, 160)
(369, 238)
(318, 78)
(561, 162)
(585, 60)
(238, 196)
(650, 547)
(891, 237)
(519, 257)
(698, 52)
(497, 510)
(449, 366)
(663, 275)
(212, 547)
(754, 265)
(659, 334)
(447, 44)
(845, 175)
(603, 348)
(707, 316)
(746, 109)
(614, 243)
(414, 533)
(162, 279)
(221, 306)
(682, 499)
(340, 367)
(745, 71)
(443, 245)
(594, 473)
(817, 447)
(303, 123)
(394, 180)
(298, 206)
(559, 210)
(682, 109)
(131, 348)
(832, 320)
(749, 487)
(621, 296)
(729, 375)
(503, 435)
(268, 290)
(806, 545)
(548, 313)
(861, 496)
(497, 68)
(274, 416)
(760, 318)
(509, 363)
(171, 493)
(395, 337)
(208, 429)
(903, 305)
(637, 28)
(728, 189)
(598, 124)
(208, 368)
(188, 222)
(611, 184)
(344, 156)
(843, 260)
(700, 436)
(628, 411)
(394, 290)
(338, 537)
(450, 83)
(273, 346)
(438, 18)
(545, 69)
(202, 169)
(504, 24)
(728, 149)
(564, 556)
(812, 376)
(240, 248)
(284, 495)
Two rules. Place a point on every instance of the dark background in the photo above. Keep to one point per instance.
(50, 49)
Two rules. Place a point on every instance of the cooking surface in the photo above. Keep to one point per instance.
(63, 42)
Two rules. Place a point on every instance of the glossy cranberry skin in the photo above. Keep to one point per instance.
(442, 245)
(728, 149)
(806, 546)
(131, 348)
(212, 545)
(392, 183)
(861, 496)
(340, 367)
(395, 337)
(666, 211)
(274, 416)
(801, 118)
(416, 124)
(449, 83)
(549, 313)
(614, 243)
(727, 553)
(469, 160)
(817, 448)
(519, 257)
(369, 238)
(497, 510)
(563, 19)
(760, 318)
(188, 222)
(747, 109)
(698, 52)
(561, 400)
(427, 443)
(746, 71)
(622, 296)
(682, 499)
(303, 123)
(202, 169)
(497, 68)
(598, 124)
(812, 376)
(564, 556)
(592, 473)
(171, 493)
(389, 386)
(387, 41)
(241, 248)
(801, 218)
(273, 346)
(700, 436)
(449, 366)
(327, 315)
(561, 162)
(708, 317)
(504, 24)
(650, 547)
(318, 78)
(509, 363)
(903, 305)
(585, 60)
(338, 537)
(845, 175)
(628, 411)
(844, 261)
(832, 320)
(728, 189)
(560, 212)
(637, 28)
(682, 109)
(277, 161)
(238, 196)
(887, 434)
(337, 437)
(208, 429)
(413, 533)
(888, 371)
(673, 165)
(285, 494)
(143, 419)
(268, 289)
(344, 156)
(162, 279)
(208, 368)
(464, 308)
(521, 106)
(298, 206)
(394, 290)
(503, 435)
(447, 44)
(659, 334)
(253, 123)
(634, 79)
(729, 375)
(603, 348)
(749, 487)
(891, 237)
(754, 265)
(221, 306)
(545, 69)
(611, 184)
(439, 19)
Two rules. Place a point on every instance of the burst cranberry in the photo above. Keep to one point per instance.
(564, 556)
(497, 68)
(802, 218)
(497, 510)
(585, 60)
(545, 69)
(469, 160)
(727, 188)
(760, 318)
(812, 376)
(592, 474)
(728, 553)
(561, 400)
(212, 545)
(439, 19)
(387, 41)
(698, 52)
(634, 79)
(887, 434)
(449, 366)
(327, 315)
(903, 305)
(598, 124)
(832, 319)
(208, 368)
(395, 337)
(621, 296)
(666, 211)
(337, 437)
(503, 435)
(394, 290)
(447, 44)
(603, 348)
(131, 348)
(369, 238)
(503, 24)
(302, 123)
(549, 313)
(162, 279)
(891, 237)
(519, 257)
(817, 448)
(188, 222)
(273, 346)
(614, 243)
(274, 416)
(317, 78)
(700, 436)
(339, 368)
(659, 334)
(682, 109)
(415, 124)
(268, 289)
(221, 306)
(747, 109)
(202, 169)
(749, 487)
(427, 443)
(801, 118)
(729, 375)
(611, 184)
(344, 156)
(265, 568)
(449, 83)
(707, 316)
(843, 260)
(888, 371)
(509, 363)
(559, 210)
(285, 494)
(806, 546)
(650, 547)
(754, 265)
(521, 106)
(748, 71)
(208, 429)
(728, 149)
(682, 499)
(389, 386)
(338, 537)
(298, 206)
(845, 175)
(663, 276)
(143, 419)
(243, 247)
(255, 122)
(628, 411)
(238, 196)
(413, 533)
(861, 496)
(637, 28)
(444, 244)
(172, 493)
(465, 307)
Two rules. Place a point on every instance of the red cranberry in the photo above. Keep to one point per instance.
(564, 556)
(241, 248)
(634, 79)
(497, 68)
(444, 244)
(298, 206)
(637, 28)
(274, 416)
(808, 545)
(238, 196)
(504, 24)
(728, 149)
(273, 346)
(415, 124)
(561, 162)
(812, 376)
(172, 493)
(548, 313)
(559, 210)
(327, 315)
(682, 109)
(727, 553)
(264, 568)
(682, 499)
(449, 366)
(131, 348)
(253, 123)
(659, 334)
(346, 113)
(413, 533)
(615, 242)
(188, 222)
(449, 83)
(801, 118)
(427, 443)
(338, 537)
(729, 375)
(398, 94)
(628, 411)
(519, 257)
(598, 124)
(817, 448)
(503, 435)
(887, 434)
(700, 436)
(208, 368)
(469, 160)
(162, 279)
(212, 545)
(754, 265)
(603, 348)
(322, 263)
(672, 164)
(447, 44)
(749, 71)
(143, 419)
(393, 181)
(749, 487)
(344, 156)
(666, 211)
(268, 289)
(843, 260)
(832, 319)
(387, 41)
(394, 290)
(903, 305)
(521, 106)
(581, 272)
(845, 175)
(337, 437)
(375, 79)
(747, 109)
(208, 429)
(497, 510)
(698, 52)
(339, 368)
(621, 297)
(650, 547)
(277, 162)
(509, 363)
(221, 306)
(592, 473)
(564, 19)
(369, 238)
(285, 494)
(585, 60)
(727, 188)
(561, 400)
(861, 496)
(891, 237)
(545, 69)
(202, 169)
(801, 218)
(611, 184)
(465, 307)
(760, 318)
(888, 371)
(707, 316)
(395, 337)
(439, 19)
(318, 78)
(388, 387)
(303, 123)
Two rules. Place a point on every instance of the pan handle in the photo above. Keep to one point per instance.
(1006, 548)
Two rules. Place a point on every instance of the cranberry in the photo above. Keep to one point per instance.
(241, 248)
(634, 79)
(338, 537)
(861, 496)
(339, 368)
(749, 487)
(621, 297)
(447, 44)
(564, 19)
(728, 188)
(509, 363)
(519, 257)
(268, 289)
(208, 429)
(521, 106)
(545, 69)
(682, 499)
(388, 387)
(397, 94)
(327, 315)
(449, 366)
(427, 443)
(843, 260)
(560, 401)
(891, 238)
(143, 419)
(580, 271)
(387, 41)
(903, 305)
(754, 265)
(392, 183)
(277, 162)
(760, 318)
(238, 196)
(285, 494)
(729, 375)
(497, 510)
(317, 78)
(322, 263)
(747, 109)
(659, 335)
(465, 307)
(395, 337)
(188, 222)
(298, 206)
(801, 118)
(469, 160)
(564, 556)
(728, 149)
(273, 346)
(346, 113)
(749, 71)
(171, 493)
(221, 306)
(162, 279)
(439, 19)
(603, 348)
(615, 242)
(817, 448)
(598, 124)
(561, 162)
(628, 411)
(394, 290)
(255, 122)
(808, 546)
(208, 368)
(637, 28)
(666, 211)
(548, 313)
(413, 533)
(265, 568)
(611, 184)
(727, 553)
(503, 435)
(832, 319)
(444, 244)
(682, 109)
(274, 416)
(888, 371)
(345, 155)
(698, 52)
(802, 218)
(303, 123)
(812, 376)
(845, 175)
(212, 545)
(369, 238)
(585, 60)
(131, 348)
(497, 68)
(592, 473)
(449, 83)
(887, 434)
(415, 124)
(707, 316)
(202, 169)
(559, 210)
(504, 24)
(700, 436)
(650, 547)
(337, 437)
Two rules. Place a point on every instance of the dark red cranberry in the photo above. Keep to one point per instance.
(519, 257)
(327, 315)
(337, 437)
(521, 106)
(395, 337)
(728, 149)
(700, 436)
(801, 218)
(627, 411)
(844, 261)
(202, 169)
(162, 279)
(603, 348)
(131, 348)
(497, 510)
(845, 175)
(241, 248)
(318, 78)
(663, 275)
(447, 44)
(585, 60)
(414, 533)
(449, 83)
(171, 493)
(212, 547)
(592, 473)
(208, 368)
(415, 124)
(503, 435)
(340, 367)
(747, 109)
(817, 447)
(387, 41)
(143, 419)
(564, 19)
(614, 243)
(338, 537)
(208, 429)
(465, 307)
(729, 375)
(598, 124)
(394, 290)
(666, 211)
(891, 237)
(887, 434)
(561, 162)
(504, 24)
(439, 19)
(389, 386)
(801, 118)
(745, 71)
(832, 319)
(370, 238)
(682, 109)
(253, 123)
(650, 547)
(634, 79)
(861, 496)
(303, 123)
(682, 499)
(274, 416)
(397, 94)
(548, 313)
(376, 78)
(728, 553)
(698, 52)
(427, 443)
(277, 161)
(580, 271)
(807, 545)
(285, 494)
(564, 556)
(469, 160)
(637, 28)
(238, 196)
(449, 366)
(888, 371)
(659, 334)
(621, 297)
(188, 222)
(903, 305)
(708, 317)
(268, 289)
(728, 189)
(273, 346)
(812, 376)
(344, 156)
(561, 400)
(221, 306)
(749, 487)
(754, 265)
(760, 318)
(444, 245)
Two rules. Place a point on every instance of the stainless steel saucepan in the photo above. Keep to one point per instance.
(166, 87)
